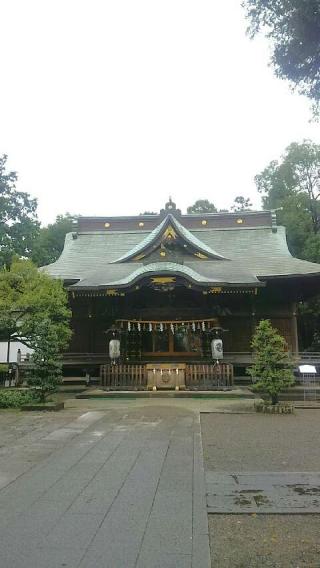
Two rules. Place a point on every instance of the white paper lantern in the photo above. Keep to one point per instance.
(114, 349)
(217, 349)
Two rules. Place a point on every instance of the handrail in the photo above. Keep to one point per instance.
(104, 357)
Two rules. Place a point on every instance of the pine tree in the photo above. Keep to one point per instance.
(272, 366)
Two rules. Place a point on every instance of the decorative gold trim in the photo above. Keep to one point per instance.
(141, 224)
(163, 280)
(239, 221)
(216, 290)
(112, 292)
(204, 222)
(200, 255)
(139, 257)
(107, 225)
(170, 233)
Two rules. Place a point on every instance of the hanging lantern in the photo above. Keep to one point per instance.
(161, 326)
(129, 326)
(139, 326)
(114, 350)
(217, 349)
(198, 326)
(150, 326)
(203, 326)
(193, 325)
(172, 328)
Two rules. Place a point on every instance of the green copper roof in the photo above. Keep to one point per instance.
(200, 273)
(92, 258)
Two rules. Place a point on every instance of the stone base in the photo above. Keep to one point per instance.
(280, 408)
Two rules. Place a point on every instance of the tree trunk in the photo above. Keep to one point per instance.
(274, 399)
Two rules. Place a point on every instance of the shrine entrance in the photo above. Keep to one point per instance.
(151, 340)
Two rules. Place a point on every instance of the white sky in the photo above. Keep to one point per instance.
(107, 107)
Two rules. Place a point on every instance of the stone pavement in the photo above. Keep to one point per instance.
(107, 488)
(269, 492)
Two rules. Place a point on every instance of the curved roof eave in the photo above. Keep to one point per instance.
(168, 269)
(184, 233)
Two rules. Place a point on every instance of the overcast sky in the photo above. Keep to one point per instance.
(110, 106)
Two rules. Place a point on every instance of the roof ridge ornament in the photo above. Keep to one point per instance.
(170, 207)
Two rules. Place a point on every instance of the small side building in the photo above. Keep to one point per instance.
(166, 285)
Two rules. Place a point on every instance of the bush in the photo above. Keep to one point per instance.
(13, 398)
(272, 366)
(45, 375)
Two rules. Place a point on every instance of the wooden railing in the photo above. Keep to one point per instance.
(235, 357)
(208, 377)
(123, 377)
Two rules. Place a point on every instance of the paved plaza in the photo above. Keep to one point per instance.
(121, 483)
(121, 486)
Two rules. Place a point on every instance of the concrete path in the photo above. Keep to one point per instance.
(108, 489)
(269, 492)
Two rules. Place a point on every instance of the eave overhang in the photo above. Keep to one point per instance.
(168, 273)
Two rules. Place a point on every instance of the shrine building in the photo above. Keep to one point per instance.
(158, 289)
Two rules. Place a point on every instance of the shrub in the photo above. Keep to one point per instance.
(13, 398)
(272, 366)
(45, 376)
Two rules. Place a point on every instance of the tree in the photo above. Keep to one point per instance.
(18, 219)
(241, 204)
(28, 298)
(202, 206)
(293, 26)
(272, 368)
(45, 373)
(50, 242)
(293, 186)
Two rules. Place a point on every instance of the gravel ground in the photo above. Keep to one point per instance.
(255, 442)
(273, 541)
(263, 443)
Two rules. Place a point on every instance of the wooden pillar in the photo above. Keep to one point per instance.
(294, 327)
(91, 319)
(253, 317)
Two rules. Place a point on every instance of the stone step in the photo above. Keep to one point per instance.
(238, 393)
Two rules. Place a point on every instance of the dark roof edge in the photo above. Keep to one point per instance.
(295, 275)
(194, 230)
(199, 284)
(183, 215)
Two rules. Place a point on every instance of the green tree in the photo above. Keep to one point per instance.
(271, 370)
(18, 219)
(50, 242)
(45, 374)
(241, 204)
(292, 185)
(202, 206)
(29, 297)
(293, 27)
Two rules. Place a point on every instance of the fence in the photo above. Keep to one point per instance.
(123, 377)
(206, 377)
(7, 379)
